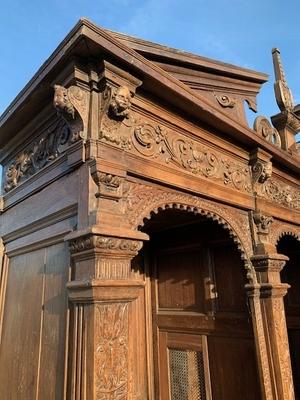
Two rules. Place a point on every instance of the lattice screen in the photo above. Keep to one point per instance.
(187, 377)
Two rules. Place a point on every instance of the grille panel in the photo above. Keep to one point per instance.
(187, 377)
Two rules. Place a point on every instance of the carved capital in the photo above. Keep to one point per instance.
(72, 104)
(105, 245)
(108, 180)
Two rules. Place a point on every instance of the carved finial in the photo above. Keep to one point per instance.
(287, 122)
(283, 94)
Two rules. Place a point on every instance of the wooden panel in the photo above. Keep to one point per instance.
(19, 353)
(51, 380)
(32, 353)
(232, 368)
(230, 279)
(179, 281)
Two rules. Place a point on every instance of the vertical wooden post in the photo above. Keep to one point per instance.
(108, 360)
(272, 291)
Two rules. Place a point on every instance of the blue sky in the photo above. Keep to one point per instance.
(235, 31)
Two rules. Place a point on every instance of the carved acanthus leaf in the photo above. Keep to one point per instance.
(72, 104)
(265, 129)
(52, 143)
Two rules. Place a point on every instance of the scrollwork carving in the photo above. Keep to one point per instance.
(53, 143)
(157, 142)
(264, 128)
(280, 193)
(225, 101)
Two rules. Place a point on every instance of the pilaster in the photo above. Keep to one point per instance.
(107, 353)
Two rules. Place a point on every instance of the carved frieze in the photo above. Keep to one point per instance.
(280, 193)
(154, 141)
(111, 352)
(52, 143)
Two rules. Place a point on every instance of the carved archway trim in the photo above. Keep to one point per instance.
(142, 201)
(280, 229)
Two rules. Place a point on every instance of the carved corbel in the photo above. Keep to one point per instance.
(72, 104)
(262, 224)
(117, 90)
(261, 167)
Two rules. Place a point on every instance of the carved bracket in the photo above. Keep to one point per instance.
(72, 104)
(261, 167)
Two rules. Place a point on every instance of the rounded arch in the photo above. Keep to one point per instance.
(280, 230)
(147, 200)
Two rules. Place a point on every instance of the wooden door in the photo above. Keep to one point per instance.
(291, 275)
(203, 340)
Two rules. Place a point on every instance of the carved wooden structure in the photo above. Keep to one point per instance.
(145, 229)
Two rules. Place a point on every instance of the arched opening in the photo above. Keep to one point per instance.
(290, 246)
(200, 326)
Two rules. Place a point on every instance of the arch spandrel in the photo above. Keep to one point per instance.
(141, 201)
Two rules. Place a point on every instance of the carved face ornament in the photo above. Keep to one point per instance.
(121, 102)
(61, 101)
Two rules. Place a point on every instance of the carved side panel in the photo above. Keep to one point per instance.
(111, 352)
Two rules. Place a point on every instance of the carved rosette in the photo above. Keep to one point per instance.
(111, 353)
